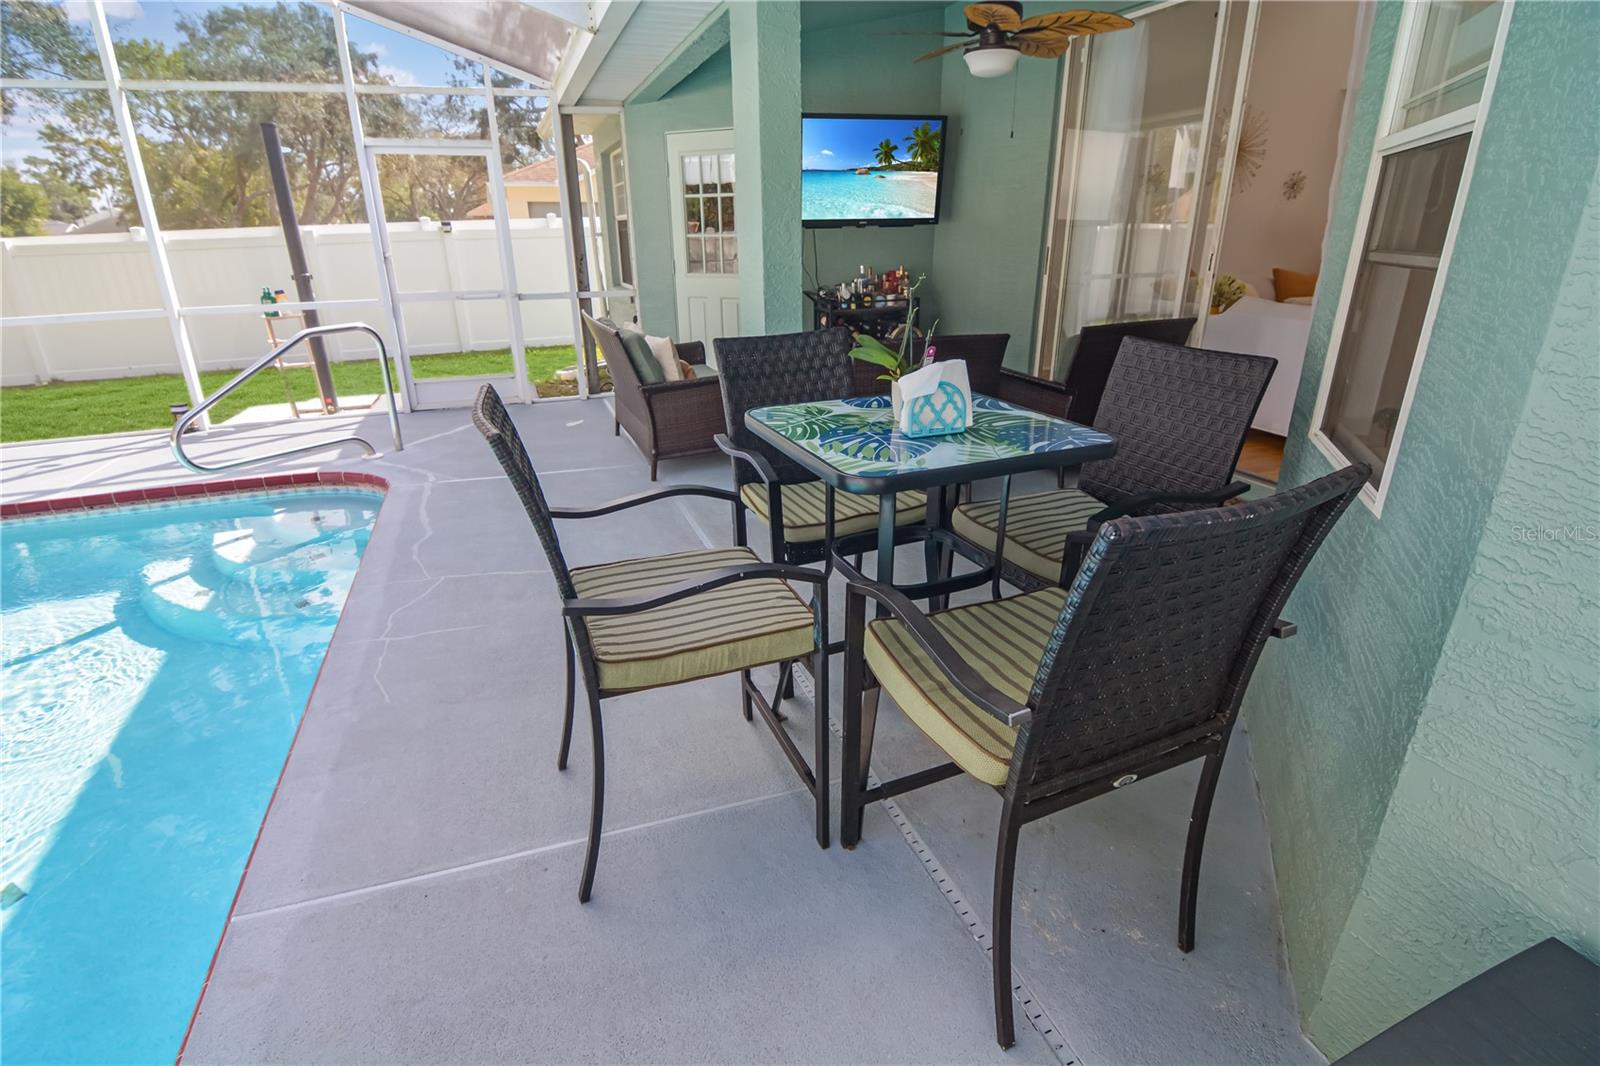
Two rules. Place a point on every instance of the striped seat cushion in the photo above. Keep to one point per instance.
(1036, 527)
(1004, 640)
(737, 626)
(805, 503)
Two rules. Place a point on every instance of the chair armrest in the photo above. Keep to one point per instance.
(759, 462)
(678, 388)
(1039, 394)
(711, 579)
(625, 502)
(692, 352)
(967, 681)
(1145, 499)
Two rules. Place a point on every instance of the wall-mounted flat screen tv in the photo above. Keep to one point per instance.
(871, 170)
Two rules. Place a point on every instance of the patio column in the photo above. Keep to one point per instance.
(765, 48)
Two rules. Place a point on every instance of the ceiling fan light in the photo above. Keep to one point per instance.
(992, 61)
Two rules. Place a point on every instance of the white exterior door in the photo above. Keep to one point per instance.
(705, 237)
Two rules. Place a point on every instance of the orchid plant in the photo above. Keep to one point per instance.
(895, 362)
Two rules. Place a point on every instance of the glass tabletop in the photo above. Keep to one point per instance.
(853, 444)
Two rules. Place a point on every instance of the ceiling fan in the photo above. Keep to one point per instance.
(997, 34)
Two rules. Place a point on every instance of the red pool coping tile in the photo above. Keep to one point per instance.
(192, 489)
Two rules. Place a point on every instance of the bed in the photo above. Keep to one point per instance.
(1254, 326)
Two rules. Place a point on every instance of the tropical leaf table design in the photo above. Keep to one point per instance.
(852, 445)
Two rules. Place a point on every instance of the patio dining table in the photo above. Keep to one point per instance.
(852, 445)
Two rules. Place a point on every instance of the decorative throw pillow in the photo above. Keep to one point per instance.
(645, 365)
(1290, 283)
(1303, 301)
(666, 354)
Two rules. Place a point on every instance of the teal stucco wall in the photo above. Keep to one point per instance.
(702, 101)
(1358, 725)
(990, 244)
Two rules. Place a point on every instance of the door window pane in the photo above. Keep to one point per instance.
(1416, 195)
(1452, 59)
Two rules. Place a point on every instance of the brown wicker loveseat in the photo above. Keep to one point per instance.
(666, 419)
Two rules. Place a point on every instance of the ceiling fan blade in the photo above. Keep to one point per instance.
(937, 52)
(919, 33)
(1074, 23)
(999, 16)
(1048, 36)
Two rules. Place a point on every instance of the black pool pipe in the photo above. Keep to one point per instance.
(297, 262)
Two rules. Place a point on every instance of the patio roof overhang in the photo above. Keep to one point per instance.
(527, 37)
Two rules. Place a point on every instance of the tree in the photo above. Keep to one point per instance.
(23, 205)
(885, 153)
(923, 144)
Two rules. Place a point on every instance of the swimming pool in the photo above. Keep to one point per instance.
(156, 661)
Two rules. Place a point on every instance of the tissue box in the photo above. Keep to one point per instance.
(933, 400)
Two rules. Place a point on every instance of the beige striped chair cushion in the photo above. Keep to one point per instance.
(1003, 640)
(737, 626)
(1036, 527)
(804, 510)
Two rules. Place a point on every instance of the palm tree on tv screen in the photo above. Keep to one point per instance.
(885, 153)
(923, 144)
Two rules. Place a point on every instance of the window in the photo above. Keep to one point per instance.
(619, 210)
(712, 245)
(1421, 165)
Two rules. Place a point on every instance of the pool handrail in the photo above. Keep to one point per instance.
(182, 425)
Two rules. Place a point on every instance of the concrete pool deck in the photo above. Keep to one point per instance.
(413, 894)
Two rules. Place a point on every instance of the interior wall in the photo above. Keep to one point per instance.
(1349, 779)
(989, 244)
(1297, 82)
(702, 101)
(863, 68)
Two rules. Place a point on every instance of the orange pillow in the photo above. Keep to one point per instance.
(1287, 284)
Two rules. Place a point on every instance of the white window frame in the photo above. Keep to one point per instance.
(1467, 120)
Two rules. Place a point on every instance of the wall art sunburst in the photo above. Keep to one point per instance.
(1294, 185)
(1252, 149)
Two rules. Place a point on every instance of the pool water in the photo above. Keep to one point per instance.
(156, 661)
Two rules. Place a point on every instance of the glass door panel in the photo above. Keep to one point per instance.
(1139, 197)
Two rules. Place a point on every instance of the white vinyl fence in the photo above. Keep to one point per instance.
(113, 272)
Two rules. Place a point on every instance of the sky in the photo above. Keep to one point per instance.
(847, 143)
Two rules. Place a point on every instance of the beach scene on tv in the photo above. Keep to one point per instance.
(870, 168)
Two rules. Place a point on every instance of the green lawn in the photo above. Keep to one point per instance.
(81, 408)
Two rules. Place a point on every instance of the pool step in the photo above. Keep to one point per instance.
(221, 597)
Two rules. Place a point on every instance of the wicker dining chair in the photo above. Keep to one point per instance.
(1058, 696)
(645, 623)
(795, 368)
(1179, 415)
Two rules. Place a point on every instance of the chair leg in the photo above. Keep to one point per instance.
(786, 686)
(745, 705)
(597, 807)
(616, 427)
(1061, 477)
(566, 721)
(1005, 875)
(819, 741)
(653, 462)
(1188, 893)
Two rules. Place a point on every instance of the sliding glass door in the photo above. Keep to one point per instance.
(1145, 155)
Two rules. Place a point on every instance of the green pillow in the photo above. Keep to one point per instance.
(645, 365)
